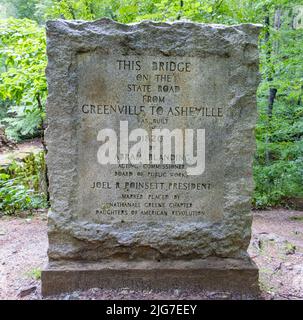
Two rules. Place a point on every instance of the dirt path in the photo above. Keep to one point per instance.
(20, 151)
(276, 247)
(23, 245)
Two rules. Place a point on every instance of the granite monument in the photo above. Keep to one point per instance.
(150, 143)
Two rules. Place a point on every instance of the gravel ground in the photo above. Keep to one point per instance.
(20, 151)
(276, 247)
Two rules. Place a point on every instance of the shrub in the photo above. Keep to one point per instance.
(22, 185)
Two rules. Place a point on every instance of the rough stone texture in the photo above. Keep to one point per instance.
(207, 274)
(74, 235)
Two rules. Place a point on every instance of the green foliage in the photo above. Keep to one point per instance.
(83, 9)
(278, 168)
(34, 274)
(296, 218)
(281, 175)
(22, 121)
(20, 185)
(21, 9)
(23, 83)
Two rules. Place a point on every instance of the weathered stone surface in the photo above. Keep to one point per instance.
(208, 274)
(83, 70)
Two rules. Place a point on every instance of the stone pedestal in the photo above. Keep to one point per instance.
(230, 275)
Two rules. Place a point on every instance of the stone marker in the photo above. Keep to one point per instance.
(150, 146)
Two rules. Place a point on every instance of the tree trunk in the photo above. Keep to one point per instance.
(181, 7)
(272, 92)
(271, 100)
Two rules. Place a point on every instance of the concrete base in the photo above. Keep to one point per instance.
(208, 274)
